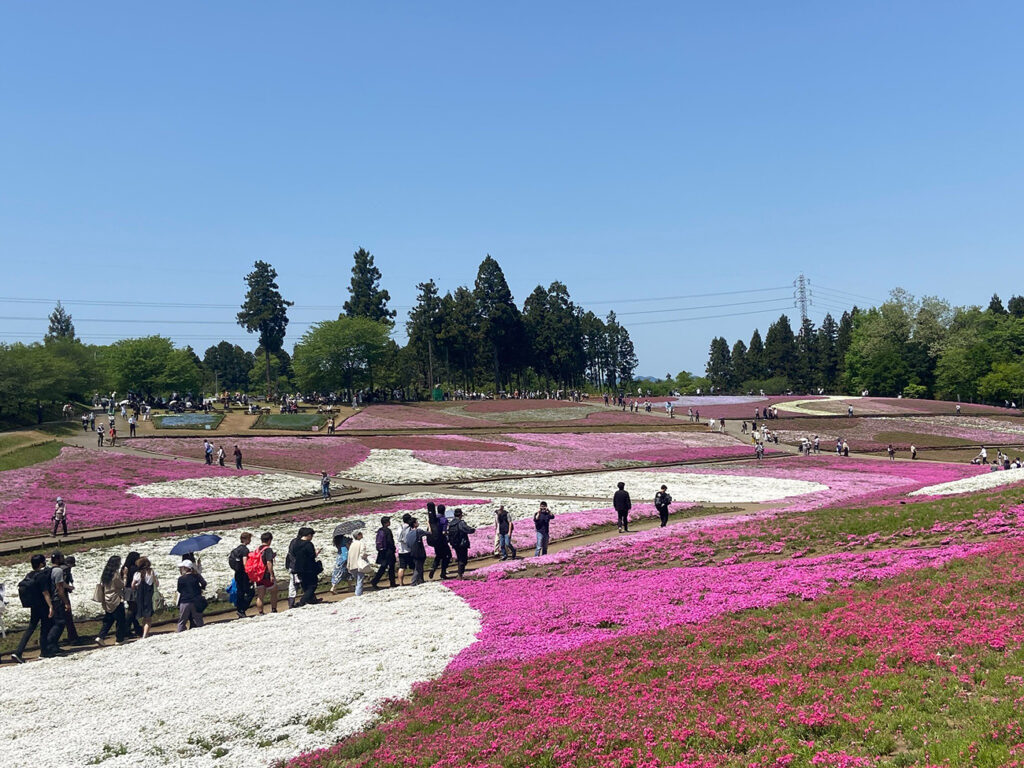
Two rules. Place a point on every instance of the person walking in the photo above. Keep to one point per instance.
(69, 587)
(661, 503)
(385, 543)
(60, 516)
(238, 457)
(131, 426)
(307, 567)
(208, 452)
(191, 602)
(340, 571)
(60, 606)
(622, 504)
(438, 539)
(325, 486)
(417, 552)
(145, 584)
(913, 452)
(220, 455)
(110, 590)
(34, 591)
(504, 526)
(402, 547)
(358, 560)
(243, 586)
(458, 537)
(128, 571)
(268, 583)
(99, 436)
(892, 452)
(113, 434)
(541, 522)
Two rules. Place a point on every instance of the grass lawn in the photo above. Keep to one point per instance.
(293, 421)
(28, 455)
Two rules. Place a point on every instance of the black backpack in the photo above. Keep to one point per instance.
(32, 587)
(236, 560)
(456, 537)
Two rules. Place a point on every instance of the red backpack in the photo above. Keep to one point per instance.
(255, 568)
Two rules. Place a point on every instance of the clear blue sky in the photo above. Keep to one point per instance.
(152, 152)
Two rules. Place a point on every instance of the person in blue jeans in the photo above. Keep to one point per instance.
(541, 520)
(325, 485)
(504, 526)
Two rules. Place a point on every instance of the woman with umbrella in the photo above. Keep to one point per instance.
(343, 540)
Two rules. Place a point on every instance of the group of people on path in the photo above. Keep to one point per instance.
(209, 452)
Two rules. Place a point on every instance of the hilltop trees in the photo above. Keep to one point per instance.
(366, 297)
(265, 311)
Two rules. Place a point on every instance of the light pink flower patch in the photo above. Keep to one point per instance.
(300, 454)
(95, 487)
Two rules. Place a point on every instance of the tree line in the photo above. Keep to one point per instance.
(470, 338)
(906, 346)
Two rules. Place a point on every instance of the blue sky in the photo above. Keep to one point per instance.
(632, 151)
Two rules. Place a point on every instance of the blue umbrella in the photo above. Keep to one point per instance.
(195, 544)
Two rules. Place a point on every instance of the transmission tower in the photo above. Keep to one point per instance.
(801, 296)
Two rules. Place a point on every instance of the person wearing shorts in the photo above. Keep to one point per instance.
(269, 581)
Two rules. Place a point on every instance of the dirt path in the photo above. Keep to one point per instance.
(88, 629)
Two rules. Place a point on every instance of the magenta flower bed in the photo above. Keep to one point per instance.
(301, 454)
(557, 451)
(849, 481)
(405, 417)
(535, 616)
(94, 485)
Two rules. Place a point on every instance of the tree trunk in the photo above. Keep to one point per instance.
(266, 357)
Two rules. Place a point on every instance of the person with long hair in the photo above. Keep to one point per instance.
(438, 539)
(128, 577)
(145, 584)
(111, 588)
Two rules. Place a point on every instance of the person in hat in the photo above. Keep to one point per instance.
(385, 542)
(60, 516)
(191, 602)
(306, 565)
(458, 536)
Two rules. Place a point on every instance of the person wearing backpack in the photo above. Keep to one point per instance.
(34, 593)
(458, 537)
(438, 539)
(414, 536)
(307, 567)
(237, 562)
(268, 579)
(60, 606)
(661, 502)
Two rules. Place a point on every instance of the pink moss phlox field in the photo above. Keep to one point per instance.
(94, 484)
(556, 452)
(524, 535)
(849, 481)
(300, 454)
(534, 616)
(874, 434)
(405, 416)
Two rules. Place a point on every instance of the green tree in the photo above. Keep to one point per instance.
(366, 297)
(740, 368)
(424, 327)
(995, 305)
(460, 335)
(780, 349)
(265, 311)
(828, 358)
(756, 363)
(719, 367)
(230, 365)
(500, 323)
(61, 328)
(336, 355)
(1015, 306)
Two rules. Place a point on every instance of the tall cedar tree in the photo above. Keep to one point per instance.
(366, 297)
(719, 367)
(424, 326)
(61, 327)
(500, 323)
(265, 311)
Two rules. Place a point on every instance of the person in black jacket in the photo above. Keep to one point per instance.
(306, 565)
(622, 505)
(438, 539)
(385, 553)
(190, 596)
(236, 561)
(661, 503)
(458, 535)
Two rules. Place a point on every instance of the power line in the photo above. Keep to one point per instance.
(847, 294)
(690, 296)
(714, 317)
(145, 321)
(705, 306)
(164, 304)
